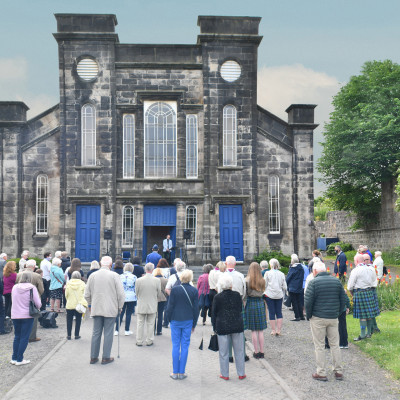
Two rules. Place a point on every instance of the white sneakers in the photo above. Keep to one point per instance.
(23, 362)
(127, 333)
(116, 333)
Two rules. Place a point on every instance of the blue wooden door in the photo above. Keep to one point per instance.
(231, 231)
(87, 239)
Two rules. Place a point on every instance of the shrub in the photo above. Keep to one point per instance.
(330, 250)
(267, 254)
(389, 295)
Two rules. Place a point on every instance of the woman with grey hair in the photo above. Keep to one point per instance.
(204, 291)
(294, 281)
(94, 266)
(227, 322)
(22, 320)
(264, 267)
(128, 281)
(275, 287)
(75, 294)
(182, 312)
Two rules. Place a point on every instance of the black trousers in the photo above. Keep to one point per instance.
(160, 311)
(165, 322)
(211, 295)
(296, 304)
(167, 256)
(343, 337)
(7, 304)
(46, 285)
(78, 320)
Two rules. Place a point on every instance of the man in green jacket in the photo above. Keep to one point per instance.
(324, 301)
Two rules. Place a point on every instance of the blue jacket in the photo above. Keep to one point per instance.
(295, 278)
(57, 277)
(179, 308)
(154, 258)
(341, 258)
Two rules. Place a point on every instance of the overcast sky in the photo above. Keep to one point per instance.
(310, 47)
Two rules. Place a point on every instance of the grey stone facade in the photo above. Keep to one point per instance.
(128, 76)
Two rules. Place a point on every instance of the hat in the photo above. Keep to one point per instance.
(155, 247)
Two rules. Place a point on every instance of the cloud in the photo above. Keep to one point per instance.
(279, 87)
(14, 83)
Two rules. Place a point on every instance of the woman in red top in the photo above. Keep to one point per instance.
(204, 289)
(9, 278)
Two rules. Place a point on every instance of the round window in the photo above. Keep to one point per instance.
(87, 69)
(230, 71)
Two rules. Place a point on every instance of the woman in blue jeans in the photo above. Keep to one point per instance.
(275, 287)
(182, 312)
(22, 321)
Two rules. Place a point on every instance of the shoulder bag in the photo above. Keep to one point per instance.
(80, 308)
(33, 310)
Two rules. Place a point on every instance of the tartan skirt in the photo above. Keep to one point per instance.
(365, 304)
(254, 314)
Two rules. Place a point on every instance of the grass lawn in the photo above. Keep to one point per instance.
(383, 347)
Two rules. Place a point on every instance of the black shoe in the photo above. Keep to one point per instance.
(376, 330)
(231, 359)
(77, 337)
(327, 346)
(302, 319)
(159, 333)
(165, 326)
(357, 339)
(295, 319)
(68, 337)
(256, 355)
(246, 358)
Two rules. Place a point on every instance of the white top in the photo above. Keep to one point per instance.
(45, 266)
(309, 278)
(167, 244)
(362, 277)
(239, 284)
(378, 263)
(213, 278)
(165, 272)
(275, 284)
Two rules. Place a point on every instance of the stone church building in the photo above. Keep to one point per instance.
(149, 140)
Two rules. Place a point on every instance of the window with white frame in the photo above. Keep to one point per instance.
(273, 200)
(191, 223)
(191, 146)
(229, 136)
(160, 139)
(128, 146)
(88, 136)
(42, 189)
(127, 226)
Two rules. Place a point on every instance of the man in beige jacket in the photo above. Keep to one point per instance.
(148, 288)
(105, 295)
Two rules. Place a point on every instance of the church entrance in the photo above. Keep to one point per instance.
(158, 221)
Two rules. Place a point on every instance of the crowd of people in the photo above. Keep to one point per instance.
(163, 296)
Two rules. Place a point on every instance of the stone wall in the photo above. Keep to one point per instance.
(382, 234)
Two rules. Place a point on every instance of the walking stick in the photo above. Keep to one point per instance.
(118, 323)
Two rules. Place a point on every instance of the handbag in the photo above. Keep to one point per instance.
(213, 342)
(33, 310)
(287, 302)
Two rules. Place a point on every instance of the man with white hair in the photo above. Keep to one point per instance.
(324, 302)
(3, 262)
(148, 288)
(22, 261)
(106, 297)
(38, 283)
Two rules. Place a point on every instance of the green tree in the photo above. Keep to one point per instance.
(362, 140)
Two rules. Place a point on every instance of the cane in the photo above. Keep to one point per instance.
(118, 323)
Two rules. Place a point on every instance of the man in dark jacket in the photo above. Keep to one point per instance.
(138, 270)
(340, 263)
(324, 302)
(294, 282)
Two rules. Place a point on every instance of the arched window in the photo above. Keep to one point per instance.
(191, 223)
(42, 188)
(127, 226)
(273, 199)
(129, 146)
(160, 141)
(88, 137)
(191, 146)
(229, 136)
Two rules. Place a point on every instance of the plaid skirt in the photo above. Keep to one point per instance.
(365, 304)
(254, 314)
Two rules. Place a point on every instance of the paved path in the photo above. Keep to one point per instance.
(144, 372)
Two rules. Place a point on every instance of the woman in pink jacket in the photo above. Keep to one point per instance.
(9, 277)
(204, 291)
(22, 321)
